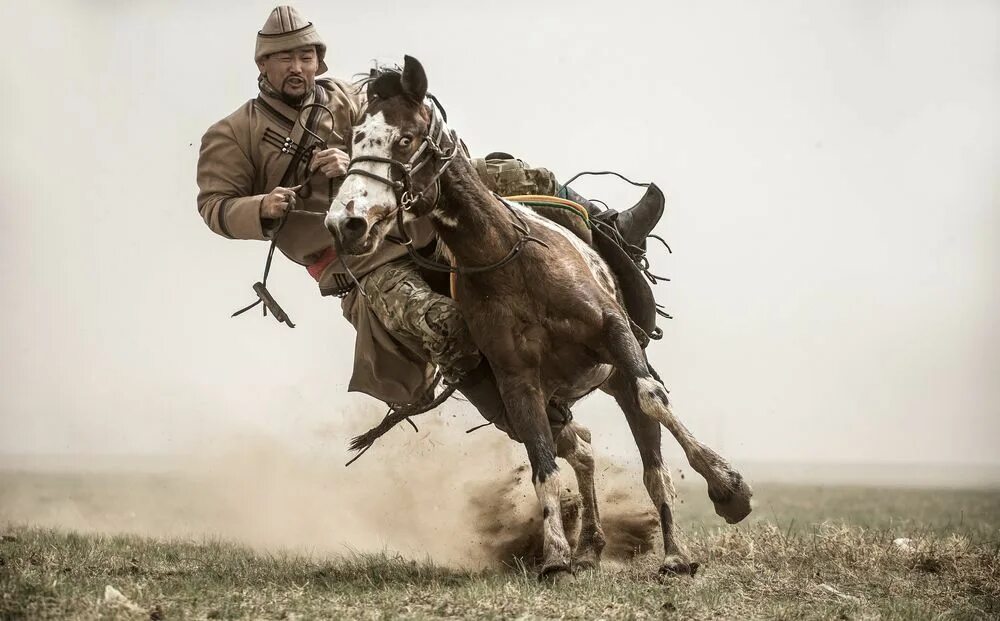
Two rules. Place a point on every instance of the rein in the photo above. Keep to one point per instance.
(524, 236)
(304, 191)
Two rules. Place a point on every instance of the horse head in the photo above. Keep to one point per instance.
(396, 160)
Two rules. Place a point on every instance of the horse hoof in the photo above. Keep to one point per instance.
(587, 562)
(677, 566)
(557, 575)
(734, 504)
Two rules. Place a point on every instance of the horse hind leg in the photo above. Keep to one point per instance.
(727, 489)
(573, 445)
(655, 475)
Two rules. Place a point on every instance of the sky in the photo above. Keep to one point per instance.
(832, 172)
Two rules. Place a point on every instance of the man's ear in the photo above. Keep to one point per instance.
(414, 79)
(260, 64)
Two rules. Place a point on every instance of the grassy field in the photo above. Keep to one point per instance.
(807, 552)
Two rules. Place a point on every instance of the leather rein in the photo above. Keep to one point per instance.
(433, 150)
(304, 191)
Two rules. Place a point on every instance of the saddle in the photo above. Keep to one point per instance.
(620, 239)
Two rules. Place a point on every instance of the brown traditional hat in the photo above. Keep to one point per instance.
(285, 30)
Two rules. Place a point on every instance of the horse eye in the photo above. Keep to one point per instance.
(405, 141)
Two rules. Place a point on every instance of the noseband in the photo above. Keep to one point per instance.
(430, 150)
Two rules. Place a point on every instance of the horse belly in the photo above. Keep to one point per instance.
(573, 370)
(582, 383)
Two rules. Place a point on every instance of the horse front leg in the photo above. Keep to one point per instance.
(526, 414)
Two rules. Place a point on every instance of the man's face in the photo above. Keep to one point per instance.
(292, 72)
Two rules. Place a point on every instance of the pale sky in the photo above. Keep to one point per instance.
(833, 180)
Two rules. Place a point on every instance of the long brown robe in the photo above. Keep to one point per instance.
(261, 146)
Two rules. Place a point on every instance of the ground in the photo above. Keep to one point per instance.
(817, 552)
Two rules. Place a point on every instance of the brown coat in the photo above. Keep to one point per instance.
(261, 146)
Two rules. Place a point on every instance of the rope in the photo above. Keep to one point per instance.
(636, 253)
(396, 415)
(478, 427)
(606, 172)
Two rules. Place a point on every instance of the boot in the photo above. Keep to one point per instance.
(479, 386)
(626, 259)
(635, 223)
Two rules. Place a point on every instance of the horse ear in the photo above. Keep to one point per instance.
(414, 79)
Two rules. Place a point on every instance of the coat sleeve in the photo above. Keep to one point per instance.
(359, 103)
(225, 186)
(349, 100)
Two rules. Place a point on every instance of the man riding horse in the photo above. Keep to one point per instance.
(268, 169)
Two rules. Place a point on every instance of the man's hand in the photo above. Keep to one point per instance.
(331, 162)
(278, 202)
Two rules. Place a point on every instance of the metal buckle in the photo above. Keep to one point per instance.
(407, 200)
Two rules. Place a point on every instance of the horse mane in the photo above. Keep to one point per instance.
(381, 81)
(385, 81)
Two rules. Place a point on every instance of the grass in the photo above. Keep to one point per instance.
(808, 552)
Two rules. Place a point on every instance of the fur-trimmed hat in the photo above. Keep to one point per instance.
(284, 31)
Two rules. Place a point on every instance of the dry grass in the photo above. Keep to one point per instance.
(809, 552)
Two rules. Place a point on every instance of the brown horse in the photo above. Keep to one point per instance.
(541, 305)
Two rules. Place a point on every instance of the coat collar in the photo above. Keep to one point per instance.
(279, 106)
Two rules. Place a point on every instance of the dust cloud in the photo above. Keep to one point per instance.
(438, 493)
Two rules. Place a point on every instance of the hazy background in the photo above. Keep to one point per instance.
(833, 191)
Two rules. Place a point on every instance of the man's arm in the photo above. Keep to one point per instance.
(349, 103)
(225, 184)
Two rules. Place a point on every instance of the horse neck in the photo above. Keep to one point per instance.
(475, 226)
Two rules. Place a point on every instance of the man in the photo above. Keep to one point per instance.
(262, 175)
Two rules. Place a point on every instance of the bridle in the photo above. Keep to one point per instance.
(431, 150)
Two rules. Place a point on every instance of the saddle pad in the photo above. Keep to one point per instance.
(541, 200)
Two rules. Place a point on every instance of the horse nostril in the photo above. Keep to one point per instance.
(354, 227)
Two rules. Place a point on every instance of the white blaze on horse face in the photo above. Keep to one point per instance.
(359, 195)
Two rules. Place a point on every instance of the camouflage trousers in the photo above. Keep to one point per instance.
(410, 310)
(407, 306)
(511, 177)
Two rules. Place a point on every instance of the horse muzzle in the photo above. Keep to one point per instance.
(349, 234)
(354, 234)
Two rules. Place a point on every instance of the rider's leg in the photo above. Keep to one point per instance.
(407, 306)
(413, 312)
(409, 309)
(511, 177)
